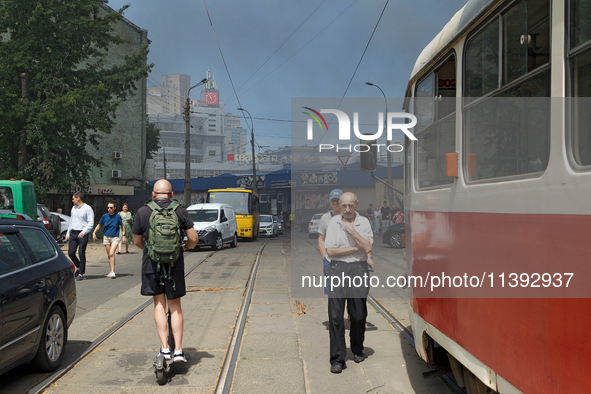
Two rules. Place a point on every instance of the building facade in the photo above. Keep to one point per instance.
(122, 174)
(169, 97)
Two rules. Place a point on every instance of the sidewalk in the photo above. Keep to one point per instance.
(281, 352)
(286, 352)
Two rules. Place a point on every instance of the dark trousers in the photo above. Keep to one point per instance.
(80, 244)
(356, 298)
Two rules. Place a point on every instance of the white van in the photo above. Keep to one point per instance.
(215, 225)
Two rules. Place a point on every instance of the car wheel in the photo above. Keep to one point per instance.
(219, 243)
(53, 341)
(234, 242)
(396, 239)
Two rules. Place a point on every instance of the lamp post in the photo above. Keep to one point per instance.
(254, 168)
(188, 143)
(388, 154)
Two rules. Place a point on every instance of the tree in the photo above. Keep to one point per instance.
(152, 139)
(58, 93)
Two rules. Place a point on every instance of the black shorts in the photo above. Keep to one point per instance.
(151, 285)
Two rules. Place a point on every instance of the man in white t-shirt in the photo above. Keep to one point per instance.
(335, 204)
(348, 243)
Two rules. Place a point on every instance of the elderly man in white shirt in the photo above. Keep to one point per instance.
(348, 243)
(81, 223)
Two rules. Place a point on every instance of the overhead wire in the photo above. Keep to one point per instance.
(358, 64)
(280, 46)
(299, 50)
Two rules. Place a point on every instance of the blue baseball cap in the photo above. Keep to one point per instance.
(336, 193)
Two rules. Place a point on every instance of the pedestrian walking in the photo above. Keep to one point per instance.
(377, 221)
(348, 243)
(385, 211)
(127, 218)
(112, 225)
(369, 215)
(81, 223)
(165, 289)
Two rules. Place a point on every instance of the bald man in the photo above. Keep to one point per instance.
(348, 243)
(162, 195)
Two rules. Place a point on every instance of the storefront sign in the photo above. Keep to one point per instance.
(289, 183)
(319, 178)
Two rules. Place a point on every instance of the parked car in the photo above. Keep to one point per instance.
(279, 225)
(215, 225)
(44, 216)
(38, 296)
(313, 225)
(393, 235)
(268, 226)
(64, 224)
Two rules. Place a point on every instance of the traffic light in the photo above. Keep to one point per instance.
(368, 157)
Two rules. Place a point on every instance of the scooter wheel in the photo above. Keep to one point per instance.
(161, 376)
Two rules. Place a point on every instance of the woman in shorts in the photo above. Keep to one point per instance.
(112, 223)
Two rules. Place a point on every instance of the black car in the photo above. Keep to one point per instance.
(38, 296)
(393, 235)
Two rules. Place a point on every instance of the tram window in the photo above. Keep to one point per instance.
(580, 89)
(525, 47)
(446, 89)
(514, 48)
(431, 147)
(581, 125)
(482, 62)
(538, 17)
(424, 103)
(433, 103)
(507, 137)
(580, 22)
(435, 107)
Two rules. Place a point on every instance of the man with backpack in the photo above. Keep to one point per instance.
(158, 231)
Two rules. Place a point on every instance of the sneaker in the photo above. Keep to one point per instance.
(166, 353)
(179, 357)
(76, 273)
(79, 277)
(111, 275)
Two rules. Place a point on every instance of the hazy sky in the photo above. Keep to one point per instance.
(318, 60)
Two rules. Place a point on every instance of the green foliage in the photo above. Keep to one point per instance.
(72, 93)
(152, 139)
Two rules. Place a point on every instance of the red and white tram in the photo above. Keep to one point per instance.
(499, 182)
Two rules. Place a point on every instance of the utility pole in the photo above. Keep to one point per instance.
(164, 154)
(254, 167)
(187, 116)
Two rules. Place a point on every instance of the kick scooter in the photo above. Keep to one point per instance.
(161, 365)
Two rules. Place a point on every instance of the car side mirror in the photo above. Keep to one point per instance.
(224, 219)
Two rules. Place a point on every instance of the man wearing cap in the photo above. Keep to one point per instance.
(334, 199)
(348, 244)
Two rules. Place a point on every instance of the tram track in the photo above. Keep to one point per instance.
(224, 380)
(75, 359)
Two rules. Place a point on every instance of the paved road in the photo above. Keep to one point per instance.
(282, 351)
